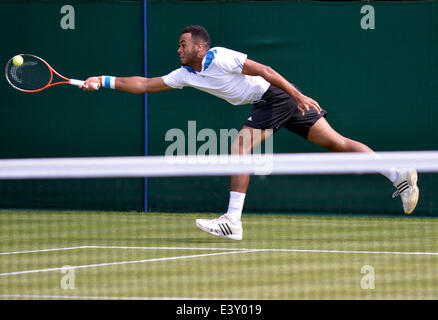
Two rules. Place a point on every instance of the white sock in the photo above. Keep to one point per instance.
(235, 206)
(390, 173)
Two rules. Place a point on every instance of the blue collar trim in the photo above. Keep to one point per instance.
(190, 69)
(209, 57)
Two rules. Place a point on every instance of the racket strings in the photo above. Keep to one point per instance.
(33, 74)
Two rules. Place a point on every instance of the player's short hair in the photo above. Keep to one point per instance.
(198, 33)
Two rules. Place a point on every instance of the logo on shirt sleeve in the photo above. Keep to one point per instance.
(239, 64)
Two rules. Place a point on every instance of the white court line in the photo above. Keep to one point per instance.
(272, 250)
(166, 248)
(41, 250)
(350, 251)
(235, 251)
(119, 247)
(122, 262)
(227, 249)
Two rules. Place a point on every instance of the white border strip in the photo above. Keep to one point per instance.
(35, 296)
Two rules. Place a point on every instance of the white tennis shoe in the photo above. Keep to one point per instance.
(407, 188)
(221, 227)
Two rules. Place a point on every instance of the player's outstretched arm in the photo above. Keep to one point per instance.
(253, 68)
(131, 84)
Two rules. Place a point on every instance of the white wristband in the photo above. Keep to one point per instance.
(109, 82)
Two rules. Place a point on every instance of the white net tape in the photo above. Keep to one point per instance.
(261, 164)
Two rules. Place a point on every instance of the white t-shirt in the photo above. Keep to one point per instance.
(221, 76)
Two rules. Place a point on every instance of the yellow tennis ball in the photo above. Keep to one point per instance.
(17, 61)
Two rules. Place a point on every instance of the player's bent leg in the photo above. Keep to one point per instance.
(403, 179)
(229, 225)
(247, 139)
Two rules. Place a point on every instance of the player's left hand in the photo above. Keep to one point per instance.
(304, 103)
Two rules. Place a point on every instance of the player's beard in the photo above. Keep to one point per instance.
(189, 57)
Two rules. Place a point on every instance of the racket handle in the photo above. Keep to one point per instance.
(80, 83)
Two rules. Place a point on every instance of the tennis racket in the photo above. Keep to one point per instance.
(35, 75)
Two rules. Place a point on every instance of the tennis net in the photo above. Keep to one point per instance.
(288, 183)
(315, 226)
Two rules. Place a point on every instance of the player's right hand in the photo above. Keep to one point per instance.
(88, 84)
(304, 103)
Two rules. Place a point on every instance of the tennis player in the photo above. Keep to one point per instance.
(231, 76)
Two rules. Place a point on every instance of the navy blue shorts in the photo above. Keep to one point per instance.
(277, 109)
